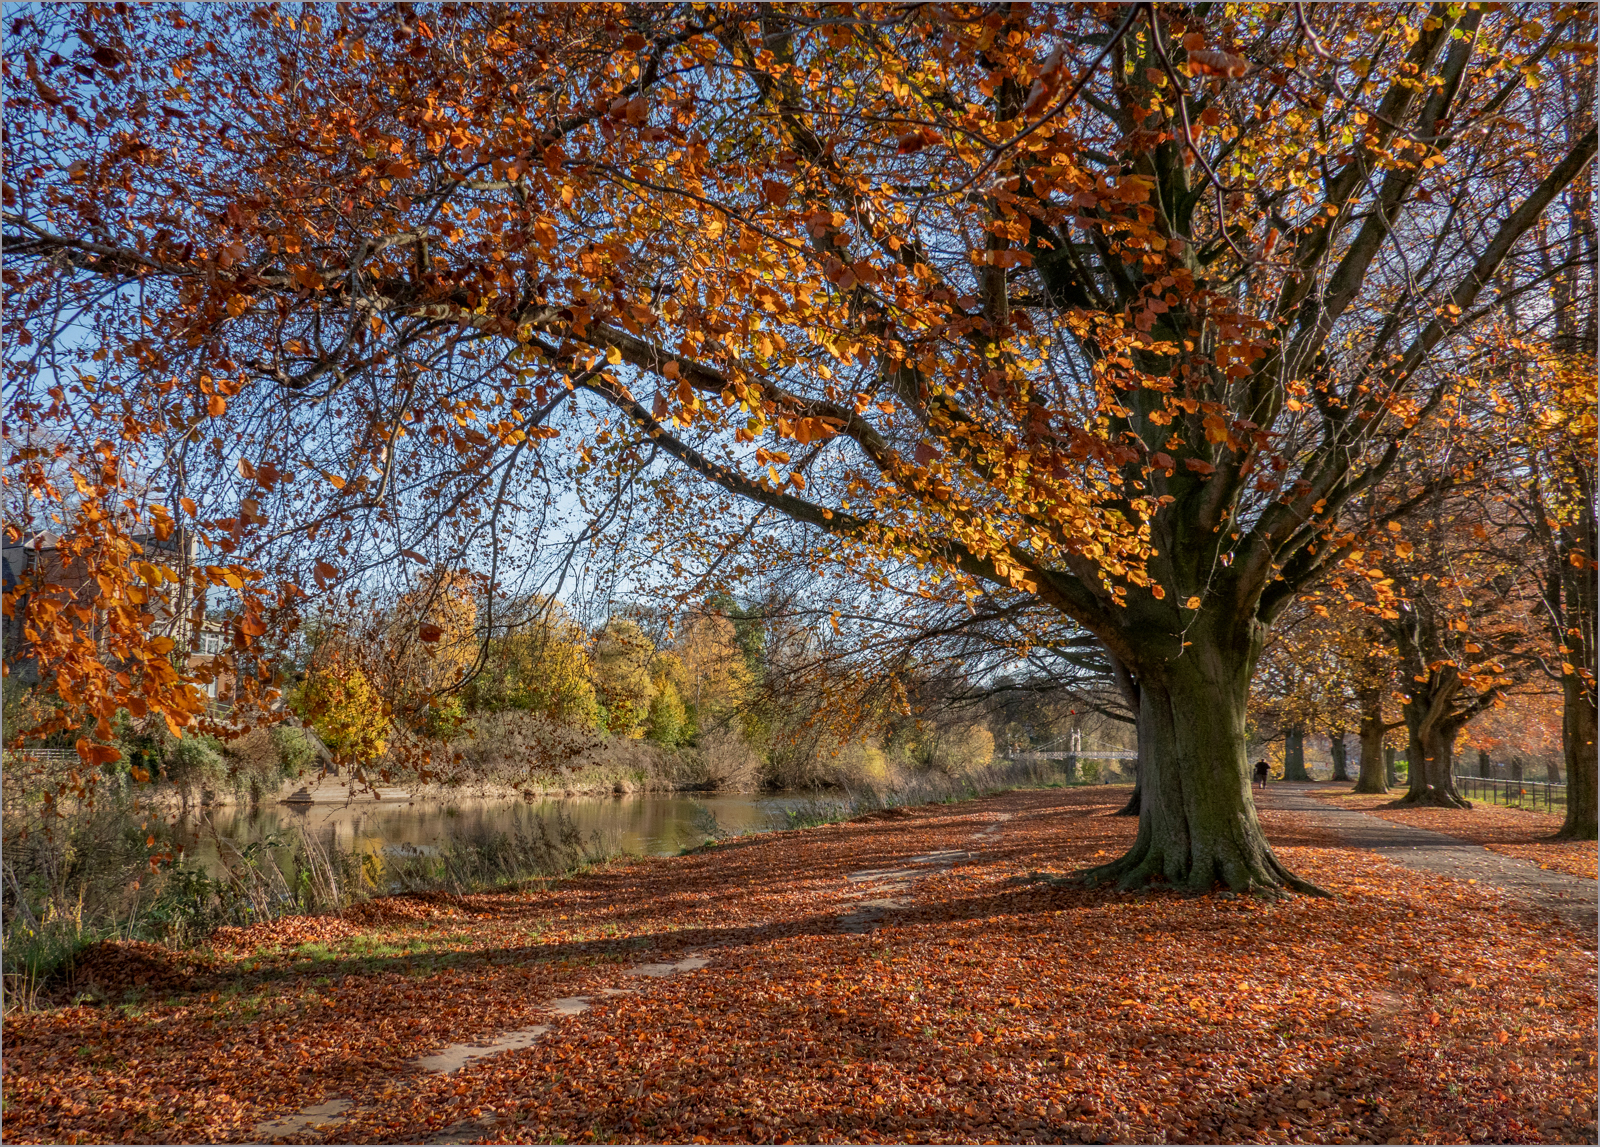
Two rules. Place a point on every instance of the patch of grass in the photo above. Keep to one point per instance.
(269, 878)
(36, 950)
(363, 946)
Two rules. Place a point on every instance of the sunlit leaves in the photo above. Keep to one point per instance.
(872, 269)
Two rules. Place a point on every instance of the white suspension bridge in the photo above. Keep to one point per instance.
(1077, 750)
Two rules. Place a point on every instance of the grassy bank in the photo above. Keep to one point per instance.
(931, 788)
(90, 880)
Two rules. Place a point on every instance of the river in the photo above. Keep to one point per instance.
(641, 824)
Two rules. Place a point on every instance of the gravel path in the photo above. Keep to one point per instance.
(1571, 897)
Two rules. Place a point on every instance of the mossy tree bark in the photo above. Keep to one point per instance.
(1197, 824)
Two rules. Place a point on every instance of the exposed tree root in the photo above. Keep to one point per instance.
(1135, 803)
(1375, 787)
(1434, 798)
(1143, 866)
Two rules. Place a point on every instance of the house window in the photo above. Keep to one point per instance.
(211, 643)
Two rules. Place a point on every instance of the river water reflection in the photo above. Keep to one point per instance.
(642, 824)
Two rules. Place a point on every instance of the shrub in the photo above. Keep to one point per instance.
(256, 762)
(730, 763)
(295, 750)
(514, 745)
(644, 764)
(722, 760)
(959, 750)
(817, 758)
(262, 757)
(195, 762)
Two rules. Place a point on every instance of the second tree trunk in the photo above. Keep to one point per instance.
(1294, 754)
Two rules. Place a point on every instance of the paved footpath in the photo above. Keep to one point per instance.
(1571, 897)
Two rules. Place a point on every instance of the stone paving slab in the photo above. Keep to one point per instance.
(459, 1055)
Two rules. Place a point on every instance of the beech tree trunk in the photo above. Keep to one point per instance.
(1341, 762)
(1197, 823)
(1294, 754)
(1431, 734)
(1578, 754)
(1484, 769)
(1376, 768)
(1391, 773)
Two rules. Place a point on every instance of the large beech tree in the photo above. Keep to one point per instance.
(1113, 307)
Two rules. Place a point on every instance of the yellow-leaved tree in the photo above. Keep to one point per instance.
(715, 676)
(339, 702)
(541, 666)
(623, 659)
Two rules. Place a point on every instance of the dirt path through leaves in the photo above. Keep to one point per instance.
(324, 1116)
(884, 883)
(886, 890)
(1529, 885)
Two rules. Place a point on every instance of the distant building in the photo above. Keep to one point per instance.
(37, 558)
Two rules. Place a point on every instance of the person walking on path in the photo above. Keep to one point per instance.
(1261, 772)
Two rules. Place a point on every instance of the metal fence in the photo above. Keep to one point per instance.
(45, 756)
(1516, 794)
(1081, 754)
